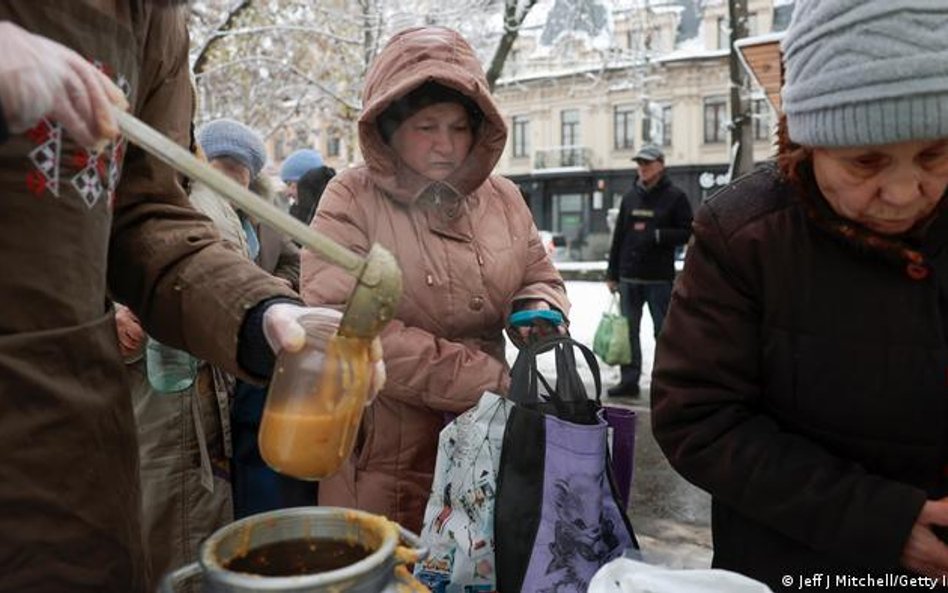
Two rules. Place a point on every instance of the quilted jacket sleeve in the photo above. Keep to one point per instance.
(541, 280)
(167, 261)
(423, 369)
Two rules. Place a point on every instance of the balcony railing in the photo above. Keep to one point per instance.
(563, 156)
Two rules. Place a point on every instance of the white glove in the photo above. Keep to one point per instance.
(282, 329)
(39, 77)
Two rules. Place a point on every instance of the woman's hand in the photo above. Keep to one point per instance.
(924, 552)
(283, 330)
(131, 336)
(539, 329)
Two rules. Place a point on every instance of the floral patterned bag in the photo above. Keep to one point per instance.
(459, 519)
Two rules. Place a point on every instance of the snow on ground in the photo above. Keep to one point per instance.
(589, 300)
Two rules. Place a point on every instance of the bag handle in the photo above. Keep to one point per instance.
(569, 385)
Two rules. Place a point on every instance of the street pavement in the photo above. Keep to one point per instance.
(671, 517)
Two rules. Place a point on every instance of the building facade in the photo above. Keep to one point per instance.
(579, 104)
(576, 123)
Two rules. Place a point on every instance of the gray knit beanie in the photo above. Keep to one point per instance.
(862, 72)
(226, 137)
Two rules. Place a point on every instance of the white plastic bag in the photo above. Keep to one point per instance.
(629, 576)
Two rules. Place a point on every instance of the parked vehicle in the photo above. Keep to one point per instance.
(680, 257)
(555, 244)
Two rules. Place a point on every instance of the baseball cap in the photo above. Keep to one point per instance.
(649, 153)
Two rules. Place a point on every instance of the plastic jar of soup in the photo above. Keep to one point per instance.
(315, 403)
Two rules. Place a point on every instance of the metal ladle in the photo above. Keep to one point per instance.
(378, 278)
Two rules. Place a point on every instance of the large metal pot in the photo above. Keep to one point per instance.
(374, 574)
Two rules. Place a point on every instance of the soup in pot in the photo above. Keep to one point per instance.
(298, 557)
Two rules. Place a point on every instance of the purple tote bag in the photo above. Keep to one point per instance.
(558, 516)
(622, 422)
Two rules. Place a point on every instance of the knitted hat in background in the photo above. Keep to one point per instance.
(226, 137)
(298, 163)
(864, 72)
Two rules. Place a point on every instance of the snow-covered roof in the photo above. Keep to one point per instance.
(668, 8)
(556, 170)
(692, 53)
(758, 39)
(547, 57)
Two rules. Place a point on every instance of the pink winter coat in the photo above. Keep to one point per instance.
(463, 272)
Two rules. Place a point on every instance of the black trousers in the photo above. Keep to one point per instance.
(634, 294)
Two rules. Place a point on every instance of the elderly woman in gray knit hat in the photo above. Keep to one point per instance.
(238, 151)
(177, 412)
(801, 374)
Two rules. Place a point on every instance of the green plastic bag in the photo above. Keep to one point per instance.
(611, 341)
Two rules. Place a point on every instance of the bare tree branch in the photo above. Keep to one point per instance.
(285, 67)
(265, 28)
(512, 22)
(277, 126)
(200, 58)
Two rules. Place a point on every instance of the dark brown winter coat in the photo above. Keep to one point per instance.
(71, 233)
(800, 379)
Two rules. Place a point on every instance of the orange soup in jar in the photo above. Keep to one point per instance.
(315, 404)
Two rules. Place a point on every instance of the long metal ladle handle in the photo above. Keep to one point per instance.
(372, 303)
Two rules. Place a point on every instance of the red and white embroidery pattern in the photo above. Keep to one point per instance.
(48, 137)
(97, 171)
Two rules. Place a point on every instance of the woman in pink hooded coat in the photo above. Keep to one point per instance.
(467, 246)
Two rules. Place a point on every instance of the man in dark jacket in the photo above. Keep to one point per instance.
(654, 219)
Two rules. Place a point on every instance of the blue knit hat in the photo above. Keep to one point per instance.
(299, 163)
(864, 72)
(226, 137)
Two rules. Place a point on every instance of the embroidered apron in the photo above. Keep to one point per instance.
(69, 493)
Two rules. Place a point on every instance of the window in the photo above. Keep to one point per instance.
(512, 64)
(762, 122)
(569, 127)
(568, 214)
(656, 127)
(302, 136)
(623, 127)
(666, 125)
(724, 33)
(332, 145)
(569, 137)
(714, 118)
(753, 24)
(521, 133)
